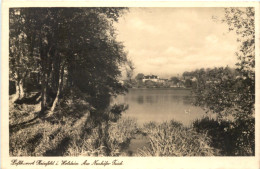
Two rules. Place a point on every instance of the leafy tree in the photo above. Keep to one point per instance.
(175, 80)
(242, 21)
(150, 84)
(71, 47)
(139, 76)
(231, 94)
(22, 64)
(188, 83)
(129, 70)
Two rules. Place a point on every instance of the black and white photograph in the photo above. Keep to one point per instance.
(131, 82)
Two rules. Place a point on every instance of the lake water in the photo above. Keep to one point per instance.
(160, 105)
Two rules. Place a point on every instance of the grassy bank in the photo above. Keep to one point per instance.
(74, 132)
(69, 132)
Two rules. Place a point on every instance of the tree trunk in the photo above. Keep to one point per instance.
(16, 95)
(44, 84)
(44, 92)
(19, 91)
(44, 54)
(59, 88)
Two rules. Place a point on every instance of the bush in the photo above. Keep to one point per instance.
(172, 139)
(120, 134)
(229, 137)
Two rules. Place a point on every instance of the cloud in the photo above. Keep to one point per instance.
(211, 39)
(138, 24)
(173, 40)
(159, 61)
(172, 51)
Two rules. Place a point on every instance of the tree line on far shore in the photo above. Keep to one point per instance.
(189, 79)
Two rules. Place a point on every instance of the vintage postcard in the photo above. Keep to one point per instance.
(130, 85)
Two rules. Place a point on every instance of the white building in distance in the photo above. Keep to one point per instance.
(151, 78)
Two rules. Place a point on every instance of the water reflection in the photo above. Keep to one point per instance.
(150, 99)
(140, 99)
(187, 100)
(176, 99)
(160, 105)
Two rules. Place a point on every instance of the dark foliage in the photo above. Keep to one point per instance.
(228, 137)
(52, 49)
(231, 93)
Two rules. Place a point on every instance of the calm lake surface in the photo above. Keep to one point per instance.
(160, 105)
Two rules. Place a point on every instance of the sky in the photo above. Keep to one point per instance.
(169, 41)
